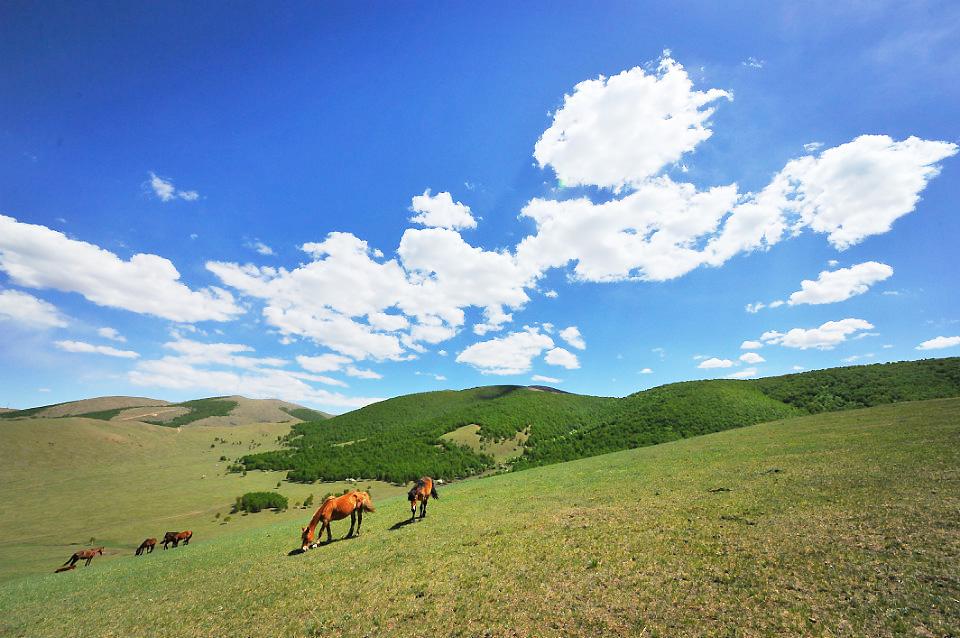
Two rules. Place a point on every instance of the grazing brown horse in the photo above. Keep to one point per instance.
(176, 537)
(84, 554)
(335, 508)
(65, 568)
(146, 547)
(422, 491)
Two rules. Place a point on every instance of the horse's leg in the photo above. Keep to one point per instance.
(353, 523)
(413, 510)
(329, 533)
(359, 520)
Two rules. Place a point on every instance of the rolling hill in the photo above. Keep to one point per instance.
(400, 439)
(833, 524)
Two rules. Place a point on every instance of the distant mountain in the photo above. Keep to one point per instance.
(232, 410)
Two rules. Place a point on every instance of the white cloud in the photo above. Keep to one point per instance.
(551, 294)
(838, 285)
(857, 357)
(341, 298)
(812, 147)
(165, 191)
(618, 131)
(25, 309)
(572, 336)
(751, 357)
(511, 354)
(746, 373)
(37, 257)
(324, 362)
(440, 211)
(833, 263)
(82, 346)
(176, 373)
(751, 345)
(111, 333)
(646, 371)
(563, 358)
(260, 247)
(753, 63)
(754, 308)
(860, 188)
(939, 342)
(824, 337)
(798, 368)
(233, 355)
(542, 379)
(360, 373)
(714, 362)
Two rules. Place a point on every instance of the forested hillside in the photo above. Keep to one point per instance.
(400, 439)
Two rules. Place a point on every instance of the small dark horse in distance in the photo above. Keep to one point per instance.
(146, 547)
(176, 537)
(83, 554)
(422, 491)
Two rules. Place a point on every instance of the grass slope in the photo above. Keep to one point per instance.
(65, 480)
(83, 406)
(841, 524)
(406, 437)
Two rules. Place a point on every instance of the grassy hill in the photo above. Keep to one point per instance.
(119, 480)
(400, 439)
(839, 524)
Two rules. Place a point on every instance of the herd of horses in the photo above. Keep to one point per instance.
(333, 508)
(146, 547)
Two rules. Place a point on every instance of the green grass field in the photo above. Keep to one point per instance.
(838, 524)
(66, 480)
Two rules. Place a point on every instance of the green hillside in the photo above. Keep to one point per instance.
(840, 524)
(403, 438)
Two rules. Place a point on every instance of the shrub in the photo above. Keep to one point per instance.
(257, 501)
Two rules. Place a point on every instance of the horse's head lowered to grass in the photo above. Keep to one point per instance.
(334, 508)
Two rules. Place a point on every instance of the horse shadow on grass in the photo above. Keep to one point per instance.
(299, 550)
(403, 523)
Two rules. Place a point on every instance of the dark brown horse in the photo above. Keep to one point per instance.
(422, 491)
(147, 546)
(84, 554)
(176, 537)
(335, 508)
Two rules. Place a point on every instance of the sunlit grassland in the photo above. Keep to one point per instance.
(835, 524)
(64, 481)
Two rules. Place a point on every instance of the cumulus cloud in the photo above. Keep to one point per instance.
(27, 310)
(746, 373)
(841, 284)
(165, 191)
(751, 357)
(714, 362)
(573, 337)
(751, 345)
(511, 354)
(35, 256)
(646, 371)
(82, 346)
(617, 131)
(542, 379)
(341, 298)
(440, 211)
(939, 342)
(111, 333)
(260, 247)
(563, 358)
(824, 337)
(323, 363)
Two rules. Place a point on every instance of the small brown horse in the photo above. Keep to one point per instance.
(84, 554)
(422, 491)
(146, 547)
(335, 508)
(176, 537)
(65, 568)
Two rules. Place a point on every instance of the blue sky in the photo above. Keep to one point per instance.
(333, 204)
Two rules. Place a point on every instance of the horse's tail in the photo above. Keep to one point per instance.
(433, 491)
